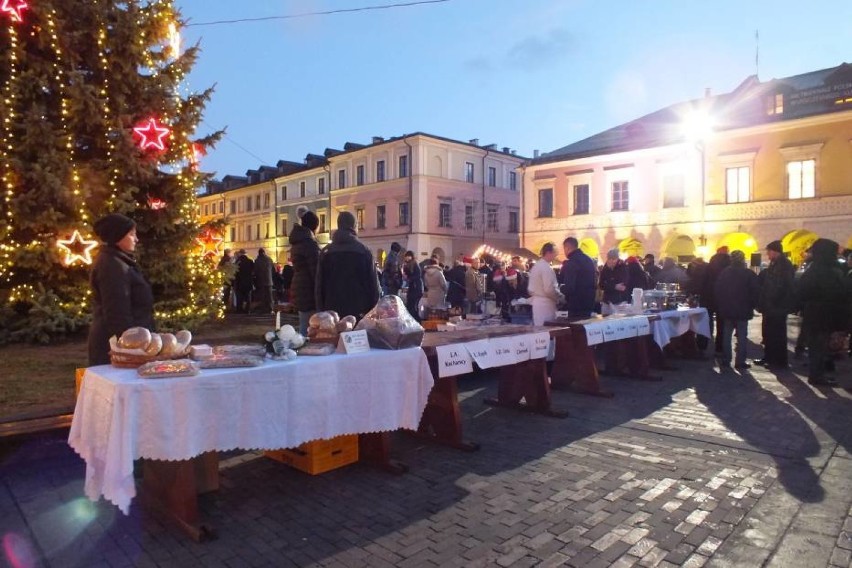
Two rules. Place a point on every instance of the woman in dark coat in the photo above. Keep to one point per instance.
(304, 250)
(414, 277)
(121, 297)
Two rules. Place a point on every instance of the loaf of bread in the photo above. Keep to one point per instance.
(135, 338)
(170, 345)
(155, 346)
(184, 338)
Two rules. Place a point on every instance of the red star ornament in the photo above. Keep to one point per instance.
(152, 134)
(76, 249)
(209, 243)
(14, 9)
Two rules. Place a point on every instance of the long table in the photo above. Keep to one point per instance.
(180, 423)
(522, 386)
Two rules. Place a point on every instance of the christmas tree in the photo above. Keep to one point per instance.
(94, 120)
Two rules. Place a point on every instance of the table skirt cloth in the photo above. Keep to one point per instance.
(674, 323)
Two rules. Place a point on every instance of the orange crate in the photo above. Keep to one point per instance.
(319, 456)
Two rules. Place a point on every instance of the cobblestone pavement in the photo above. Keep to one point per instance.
(700, 469)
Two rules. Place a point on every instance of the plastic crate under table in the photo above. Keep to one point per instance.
(319, 456)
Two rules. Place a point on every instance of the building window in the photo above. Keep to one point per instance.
(513, 221)
(248, 232)
(513, 181)
(491, 218)
(284, 227)
(380, 216)
(257, 202)
(257, 231)
(801, 179)
(321, 186)
(341, 179)
(545, 202)
(284, 193)
(620, 196)
(775, 104)
(581, 199)
(207, 209)
(267, 231)
(233, 234)
(266, 200)
(468, 217)
(380, 170)
(738, 184)
(221, 207)
(403, 214)
(403, 166)
(673, 190)
(322, 223)
(359, 175)
(359, 218)
(233, 206)
(445, 215)
(468, 172)
(248, 204)
(492, 176)
(302, 189)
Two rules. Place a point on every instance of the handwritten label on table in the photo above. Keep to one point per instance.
(355, 341)
(622, 331)
(503, 351)
(633, 326)
(644, 327)
(453, 360)
(609, 331)
(522, 348)
(481, 353)
(594, 333)
(540, 343)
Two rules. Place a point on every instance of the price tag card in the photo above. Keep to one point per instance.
(480, 352)
(622, 331)
(633, 326)
(522, 348)
(503, 351)
(540, 343)
(594, 333)
(453, 360)
(644, 327)
(609, 331)
(355, 341)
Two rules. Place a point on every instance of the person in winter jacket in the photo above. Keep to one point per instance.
(613, 279)
(775, 302)
(636, 276)
(414, 277)
(392, 272)
(121, 297)
(456, 281)
(824, 296)
(304, 250)
(671, 273)
(347, 281)
(718, 262)
(436, 284)
(474, 285)
(577, 280)
(244, 281)
(263, 270)
(737, 292)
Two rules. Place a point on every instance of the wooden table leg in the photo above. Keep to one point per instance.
(441, 420)
(574, 366)
(374, 450)
(172, 488)
(525, 386)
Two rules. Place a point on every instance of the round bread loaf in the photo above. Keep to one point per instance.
(170, 345)
(156, 344)
(184, 338)
(135, 338)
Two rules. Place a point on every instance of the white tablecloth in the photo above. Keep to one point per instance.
(120, 417)
(674, 323)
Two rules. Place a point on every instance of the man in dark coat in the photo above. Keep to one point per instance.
(651, 267)
(456, 292)
(225, 266)
(718, 262)
(776, 301)
(304, 251)
(244, 281)
(737, 291)
(391, 271)
(824, 296)
(577, 280)
(613, 280)
(287, 274)
(414, 277)
(263, 269)
(346, 274)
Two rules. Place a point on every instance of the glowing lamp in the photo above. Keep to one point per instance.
(151, 134)
(76, 249)
(14, 9)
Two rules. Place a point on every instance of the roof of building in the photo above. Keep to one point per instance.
(808, 94)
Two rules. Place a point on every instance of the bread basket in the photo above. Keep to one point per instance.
(133, 361)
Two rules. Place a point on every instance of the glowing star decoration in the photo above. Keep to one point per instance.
(156, 204)
(152, 135)
(209, 243)
(14, 9)
(76, 249)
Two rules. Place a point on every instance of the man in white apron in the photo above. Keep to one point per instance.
(543, 287)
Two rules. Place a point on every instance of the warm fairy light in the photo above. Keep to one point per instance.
(210, 243)
(76, 249)
(152, 134)
(174, 40)
(14, 8)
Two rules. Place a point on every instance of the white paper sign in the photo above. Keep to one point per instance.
(503, 351)
(594, 333)
(480, 352)
(355, 341)
(453, 360)
(522, 348)
(622, 330)
(609, 331)
(633, 327)
(644, 327)
(540, 345)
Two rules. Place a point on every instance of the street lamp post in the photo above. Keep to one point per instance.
(698, 127)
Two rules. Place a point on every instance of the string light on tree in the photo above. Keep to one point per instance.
(152, 134)
(14, 8)
(76, 249)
